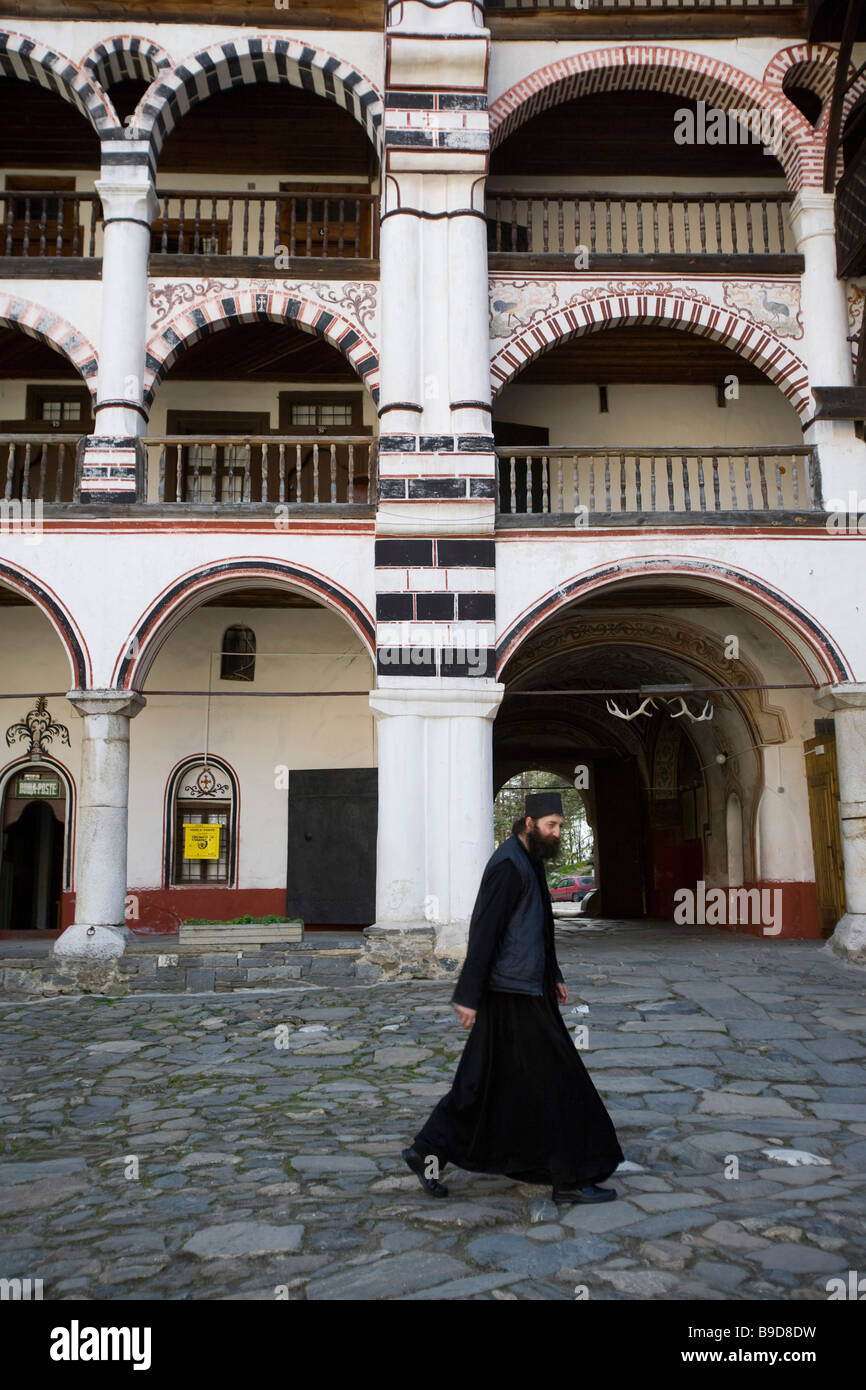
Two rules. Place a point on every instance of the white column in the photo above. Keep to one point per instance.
(129, 206)
(841, 454)
(848, 703)
(435, 806)
(99, 928)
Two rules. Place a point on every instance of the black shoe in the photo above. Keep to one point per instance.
(416, 1163)
(589, 1192)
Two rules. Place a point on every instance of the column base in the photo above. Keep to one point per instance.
(92, 943)
(848, 941)
(404, 951)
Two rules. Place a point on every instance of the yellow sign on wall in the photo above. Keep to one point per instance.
(201, 841)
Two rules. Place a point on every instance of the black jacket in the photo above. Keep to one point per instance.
(511, 943)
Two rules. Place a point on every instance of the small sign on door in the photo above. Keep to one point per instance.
(201, 841)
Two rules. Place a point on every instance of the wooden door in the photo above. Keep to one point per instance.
(619, 834)
(822, 779)
(333, 823)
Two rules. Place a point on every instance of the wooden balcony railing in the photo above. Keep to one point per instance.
(497, 5)
(561, 222)
(256, 225)
(590, 482)
(39, 467)
(45, 224)
(241, 471)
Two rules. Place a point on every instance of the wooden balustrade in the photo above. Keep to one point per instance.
(587, 481)
(38, 467)
(240, 471)
(307, 224)
(633, 5)
(40, 223)
(653, 223)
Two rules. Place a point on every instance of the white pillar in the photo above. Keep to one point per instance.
(99, 928)
(848, 703)
(129, 206)
(435, 813)
(842, 456)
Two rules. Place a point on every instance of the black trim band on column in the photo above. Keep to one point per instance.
(401, 405)
(472, 405)
(433, 216)
(122, 405)
(136, 221)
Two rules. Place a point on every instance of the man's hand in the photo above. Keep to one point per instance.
(466, 1016)
(561, 992)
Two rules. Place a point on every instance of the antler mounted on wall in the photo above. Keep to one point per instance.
(649, 703)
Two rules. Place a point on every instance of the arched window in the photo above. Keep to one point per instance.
(238, 654)
(203, 799)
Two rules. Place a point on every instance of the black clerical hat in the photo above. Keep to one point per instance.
(543, 804)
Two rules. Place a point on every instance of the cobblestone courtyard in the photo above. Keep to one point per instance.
(270, 1170)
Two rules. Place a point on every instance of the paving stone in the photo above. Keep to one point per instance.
(798, 1259)
(243, 1238)
(311, 1165)
(390, 1277)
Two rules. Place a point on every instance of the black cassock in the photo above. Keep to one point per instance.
(522, 1102)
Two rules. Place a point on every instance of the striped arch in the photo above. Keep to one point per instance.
(125, 56)
(29, 61)
(811, 65)
(810, 643)
(246, 60)
(656, 68)
(754, 342)
(52, 330)
(43, 598)
(187, 593)
(248, 306)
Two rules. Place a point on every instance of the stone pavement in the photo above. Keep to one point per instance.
(268, 1170)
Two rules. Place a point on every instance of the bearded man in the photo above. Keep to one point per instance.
(521, 1103)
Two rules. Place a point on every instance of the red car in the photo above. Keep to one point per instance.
(572, 888)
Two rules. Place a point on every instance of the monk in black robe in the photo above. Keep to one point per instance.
(521, 1103)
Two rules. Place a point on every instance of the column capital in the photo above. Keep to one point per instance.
(436, 698)
(813, 214)
(130, 199)
(846, 695)
(125, 702)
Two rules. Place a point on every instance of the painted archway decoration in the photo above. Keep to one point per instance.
(30, 61)
(812, 645)
(223, 307)
(185, 594)
(696, 76)
(246, 60)
(54, 331)
(665, 305)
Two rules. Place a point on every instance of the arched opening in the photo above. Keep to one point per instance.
(683, 702)
(41, 744)
(264, 155)
(261, 412)
(280, 772)
(31, 862)
(647, 418)
(49, 164)
(710, 192)
(46, 407)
